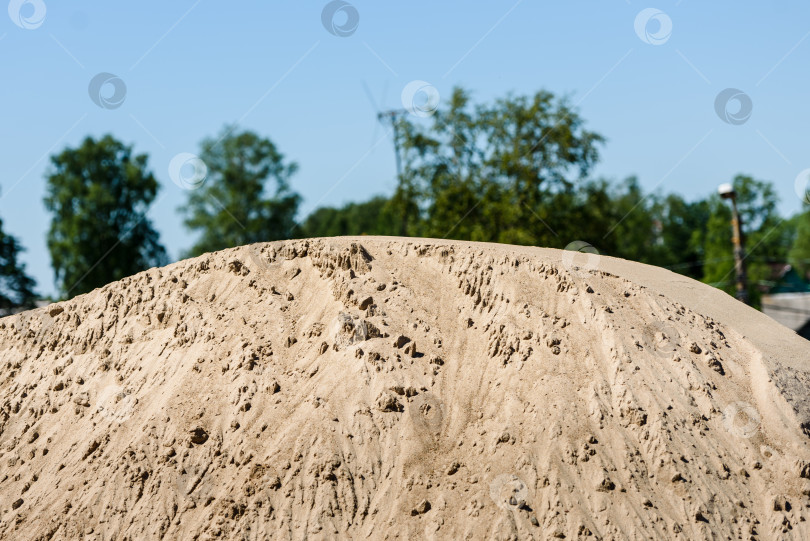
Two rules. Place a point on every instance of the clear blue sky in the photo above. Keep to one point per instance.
(191, 66)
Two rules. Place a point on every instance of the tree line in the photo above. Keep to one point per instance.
(516, 171)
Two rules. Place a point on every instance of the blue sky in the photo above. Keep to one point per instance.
(191, 66)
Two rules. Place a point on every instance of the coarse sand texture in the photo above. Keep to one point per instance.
(392, 388)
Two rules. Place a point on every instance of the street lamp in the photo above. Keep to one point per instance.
(726, 191)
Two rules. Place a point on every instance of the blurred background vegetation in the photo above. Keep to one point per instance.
(512, 171)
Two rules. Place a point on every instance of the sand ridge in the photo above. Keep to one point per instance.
(386, 388)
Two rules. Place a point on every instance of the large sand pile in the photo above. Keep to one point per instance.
(376, 388)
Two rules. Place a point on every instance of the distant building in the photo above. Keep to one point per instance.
(788, 300)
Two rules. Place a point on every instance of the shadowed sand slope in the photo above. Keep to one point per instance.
(386, 388)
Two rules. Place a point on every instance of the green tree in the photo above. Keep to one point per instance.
(372, 217)
(718, 265)
(484, 172)
(681, 240)
(99, 194)
(799, 255)
(235, 205)
(627, 223)
(767, 237)
(619, 219)
(16, 287)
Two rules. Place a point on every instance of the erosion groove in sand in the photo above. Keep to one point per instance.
(383, 388)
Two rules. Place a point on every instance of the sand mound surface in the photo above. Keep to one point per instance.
(383, 388)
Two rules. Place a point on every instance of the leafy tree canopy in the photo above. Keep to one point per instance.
(99, 194)
(480, 172)
(16, 287)
(371, 217)
(245, 198)
(767, 237)
(799, 255)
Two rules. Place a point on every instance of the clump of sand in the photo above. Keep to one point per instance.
(384, 388)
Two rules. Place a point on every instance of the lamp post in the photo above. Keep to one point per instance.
(726, 191)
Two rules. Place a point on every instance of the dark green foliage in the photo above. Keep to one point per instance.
(481, 172)
(372, 217)
(235, 205)
(514, 172)
(99, 195)
(16, 287)
(618, 221)
(680, 247)
(767, 237)
(799, 255)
